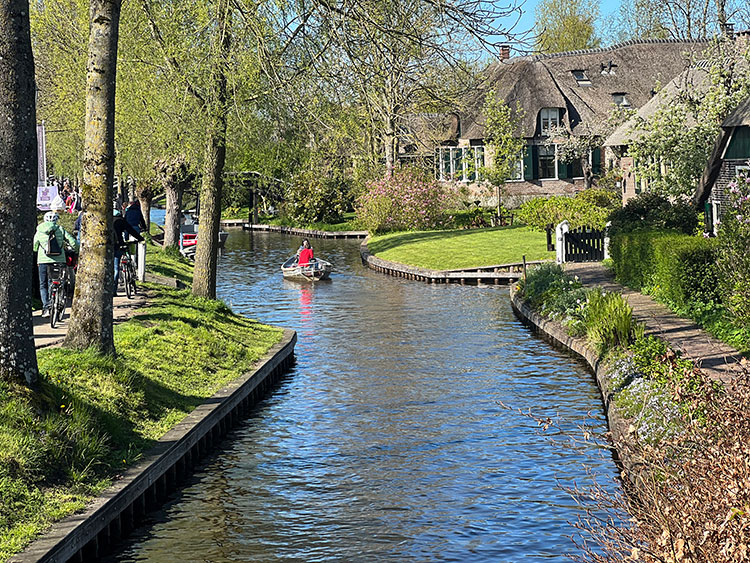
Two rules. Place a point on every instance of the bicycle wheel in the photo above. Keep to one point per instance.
(62, 300)
(133, 277)
(127, 274)
(53, 309)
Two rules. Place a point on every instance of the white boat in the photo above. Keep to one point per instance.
(316, 270)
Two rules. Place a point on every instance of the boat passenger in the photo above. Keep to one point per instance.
(305, 253)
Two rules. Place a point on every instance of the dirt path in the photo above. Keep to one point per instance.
(718, 360)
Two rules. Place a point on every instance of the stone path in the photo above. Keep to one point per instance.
(717, 359)
(46, 336)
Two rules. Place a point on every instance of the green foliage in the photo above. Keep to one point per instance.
(502, 138)
(671, 266)
(605, 318)
(650, 211)
(589, 208)
(608, 320)
(734, 251)
(566, 25)
(313, 196)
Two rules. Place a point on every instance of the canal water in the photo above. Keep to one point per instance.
(388, 441)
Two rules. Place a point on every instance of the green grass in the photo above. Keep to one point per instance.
(348, 221)
(93, 415)
(169, 263)
(466, 248)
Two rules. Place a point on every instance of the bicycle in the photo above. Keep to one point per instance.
(58, 296)
(127, 273)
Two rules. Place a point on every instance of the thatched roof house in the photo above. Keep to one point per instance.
(577, 90)
(585, 85)
(731, 155)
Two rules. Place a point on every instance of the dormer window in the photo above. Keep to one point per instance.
(581, 77)
(607, 68)
(620, 99)
(549, 118)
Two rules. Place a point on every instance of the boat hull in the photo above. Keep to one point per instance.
(317, 271)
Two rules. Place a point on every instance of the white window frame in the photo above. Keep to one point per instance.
(591, 163)
(548, 113)
(453, 174)
(584, 80)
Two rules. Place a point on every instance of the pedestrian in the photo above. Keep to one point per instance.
(121, 228)
(134, 216)
(50, 241)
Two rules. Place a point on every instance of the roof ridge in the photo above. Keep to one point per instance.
(544, 56)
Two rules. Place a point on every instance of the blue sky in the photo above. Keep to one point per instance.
(607, 8)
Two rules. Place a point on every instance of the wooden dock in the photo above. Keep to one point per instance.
(305, 232)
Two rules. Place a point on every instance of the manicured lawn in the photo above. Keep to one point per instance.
(450, 250)
(93, 415)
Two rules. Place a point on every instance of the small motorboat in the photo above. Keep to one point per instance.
(316, 270)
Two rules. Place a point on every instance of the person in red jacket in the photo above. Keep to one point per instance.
(305, 254)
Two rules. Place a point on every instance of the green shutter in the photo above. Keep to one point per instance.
(528, 167)
(739, 146)
(563, 170)
(596, 161)
(534, 162)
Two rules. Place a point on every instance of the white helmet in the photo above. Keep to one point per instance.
(51, 217)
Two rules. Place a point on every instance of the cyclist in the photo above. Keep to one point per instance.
(50, 241)
(120, 228)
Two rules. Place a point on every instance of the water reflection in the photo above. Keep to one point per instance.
(387, 442)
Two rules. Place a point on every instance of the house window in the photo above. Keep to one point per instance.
(581, 78)
(549, 118)
(517, 171)
(547, 161)
(461, 164)
(620, 99)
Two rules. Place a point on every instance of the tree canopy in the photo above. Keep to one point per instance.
(566, 25)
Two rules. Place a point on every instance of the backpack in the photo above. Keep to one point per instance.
(52, 248)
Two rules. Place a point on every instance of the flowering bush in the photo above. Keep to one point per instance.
(408, 201)
(734, 250)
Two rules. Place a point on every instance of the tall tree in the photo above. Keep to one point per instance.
(566, 25)
(18, 178)
(174, 176)
(504, 144)
(91, 315)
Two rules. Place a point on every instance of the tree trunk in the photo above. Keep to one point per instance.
(144, 191)
(18, 179)
(91, 316)
(389, 140)
(588, 172)
(206, 255)
(174, 190)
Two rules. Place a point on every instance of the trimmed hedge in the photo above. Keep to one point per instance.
(674, 267)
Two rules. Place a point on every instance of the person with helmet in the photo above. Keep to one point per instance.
(120, 227)
(50, 241)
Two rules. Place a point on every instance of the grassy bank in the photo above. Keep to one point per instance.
(169, 263)
(347, 222)
(64, 443)
(449, 250)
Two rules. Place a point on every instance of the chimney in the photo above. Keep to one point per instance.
(504, 52)
(727, 30)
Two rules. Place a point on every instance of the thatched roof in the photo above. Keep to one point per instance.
(634, 69)
(740, 117)
(693, 80)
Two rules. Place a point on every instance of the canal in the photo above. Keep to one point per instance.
(388, 440)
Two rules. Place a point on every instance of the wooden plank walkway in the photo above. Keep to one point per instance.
(306, 232)
(717, 359)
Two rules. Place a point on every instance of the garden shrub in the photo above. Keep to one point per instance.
(609, 322)
(650, 211)
(733, 261)
(673, 267)
(312, 197)
(589, 208)
(409, 200)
